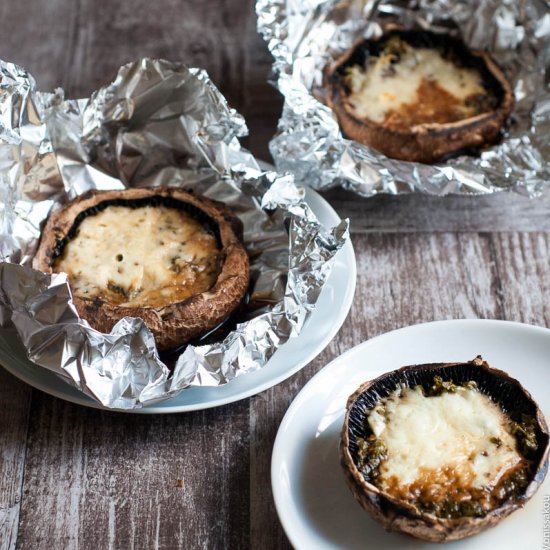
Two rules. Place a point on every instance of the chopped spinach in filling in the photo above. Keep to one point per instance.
(372, 451)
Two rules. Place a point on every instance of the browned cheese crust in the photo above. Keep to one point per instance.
(424, 142)
(176, 323)
(403, 516)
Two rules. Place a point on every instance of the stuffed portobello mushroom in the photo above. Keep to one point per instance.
(443, 451)
(418, 95)
(167, 256)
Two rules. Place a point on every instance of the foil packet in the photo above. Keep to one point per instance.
(304, 37)
(158, 123)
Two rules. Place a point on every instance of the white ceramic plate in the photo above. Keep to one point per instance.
(331, 311)
(313, 502)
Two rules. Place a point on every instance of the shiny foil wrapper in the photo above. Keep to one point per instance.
(304, 37)
(158, 123)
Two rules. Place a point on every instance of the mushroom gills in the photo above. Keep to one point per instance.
(443, 451)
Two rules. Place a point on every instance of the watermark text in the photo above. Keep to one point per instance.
(546, 523)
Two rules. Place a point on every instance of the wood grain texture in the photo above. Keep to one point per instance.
(79, 45)
(15, 401)
(507, 211)
(95, 479)
(523, 278)
(105, 480)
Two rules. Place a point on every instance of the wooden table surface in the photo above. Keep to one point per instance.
(72, 477)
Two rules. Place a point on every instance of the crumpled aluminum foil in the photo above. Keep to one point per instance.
(305, 36)
(158, 123)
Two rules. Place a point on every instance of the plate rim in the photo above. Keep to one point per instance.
(162, 408)
(277, 452)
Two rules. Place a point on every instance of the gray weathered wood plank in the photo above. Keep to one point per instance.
(523, 264)
(506, 211)
(106, 480)
(15, 401)
(79, 45)
(109, 480)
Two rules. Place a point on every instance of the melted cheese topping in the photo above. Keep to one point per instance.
(417, 87)
(140, 257)
(442, 446)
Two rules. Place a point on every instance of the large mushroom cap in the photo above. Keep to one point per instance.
(402, 516)
(172, 324)
(428, 141)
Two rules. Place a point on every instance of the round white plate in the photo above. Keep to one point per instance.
(315, 506)
(331, 311)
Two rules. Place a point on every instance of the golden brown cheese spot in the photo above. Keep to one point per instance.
(150, 256)
(437, 106)
(443, 447)
(420, 86)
